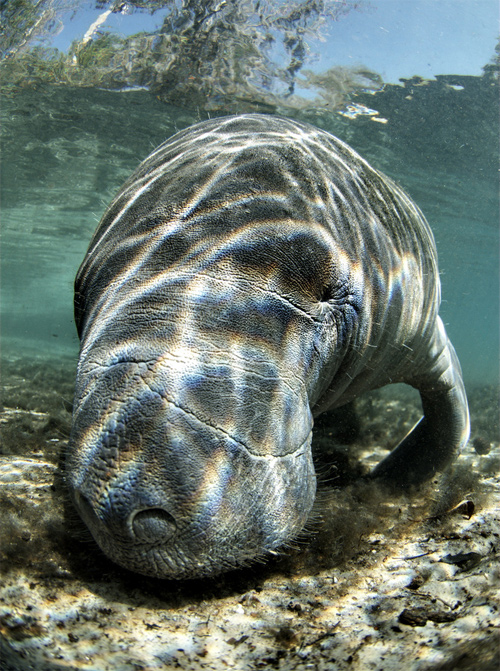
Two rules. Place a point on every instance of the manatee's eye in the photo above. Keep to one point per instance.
(306, 268)
(326, 294)
(299, 264)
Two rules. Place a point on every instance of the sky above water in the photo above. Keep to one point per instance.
(395, 38)
(403, 38)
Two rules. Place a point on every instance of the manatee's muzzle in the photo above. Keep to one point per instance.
(239, 508)
(168, 494)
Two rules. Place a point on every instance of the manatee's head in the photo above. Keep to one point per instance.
(190, 451)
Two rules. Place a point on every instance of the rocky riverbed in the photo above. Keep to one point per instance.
(377, 582)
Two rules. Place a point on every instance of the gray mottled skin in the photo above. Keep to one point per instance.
(252, 272)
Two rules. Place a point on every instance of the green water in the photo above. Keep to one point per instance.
(66, 151)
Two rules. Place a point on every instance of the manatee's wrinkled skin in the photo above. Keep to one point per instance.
(252, 272)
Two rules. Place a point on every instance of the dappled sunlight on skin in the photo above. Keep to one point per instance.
(252, 271)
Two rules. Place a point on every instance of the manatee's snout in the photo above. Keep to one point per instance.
(131, 519)
(168, 492)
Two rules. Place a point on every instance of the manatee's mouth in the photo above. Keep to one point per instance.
(264, 506)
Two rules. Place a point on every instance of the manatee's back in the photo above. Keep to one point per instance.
(218, 178)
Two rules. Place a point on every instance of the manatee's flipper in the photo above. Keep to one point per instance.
(444, 428)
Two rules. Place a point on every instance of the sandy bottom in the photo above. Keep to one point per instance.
(380, 583)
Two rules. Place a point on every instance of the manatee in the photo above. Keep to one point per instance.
(252, 273)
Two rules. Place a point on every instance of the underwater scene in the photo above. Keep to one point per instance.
(379, 567)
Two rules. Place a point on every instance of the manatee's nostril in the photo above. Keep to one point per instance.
(153, 525)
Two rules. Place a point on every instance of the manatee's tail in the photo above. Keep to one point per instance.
(443, 430)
